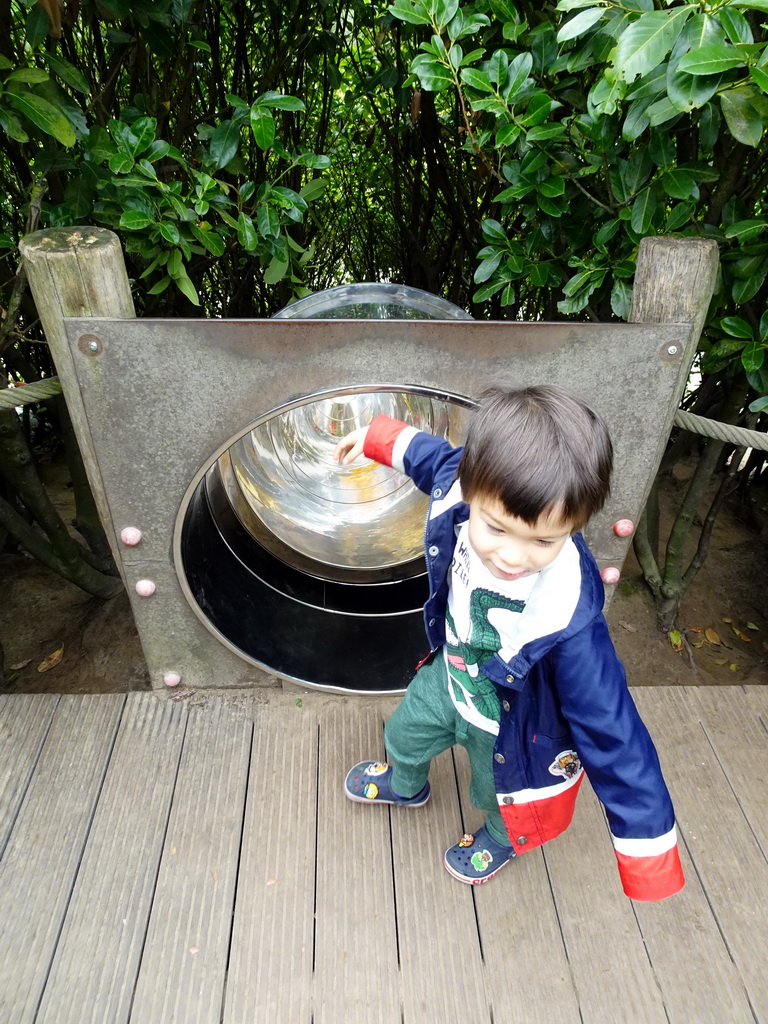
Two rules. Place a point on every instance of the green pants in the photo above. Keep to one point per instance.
(426, 723)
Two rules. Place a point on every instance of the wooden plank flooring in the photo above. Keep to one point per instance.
(198, 864)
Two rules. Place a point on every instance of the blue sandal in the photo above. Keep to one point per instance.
(370, 783)
(477, 858)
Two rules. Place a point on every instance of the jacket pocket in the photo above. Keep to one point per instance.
(541, 739)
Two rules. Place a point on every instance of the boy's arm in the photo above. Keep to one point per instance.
(621, 762)
(420, 455)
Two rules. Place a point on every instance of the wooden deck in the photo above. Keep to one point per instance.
(171, 863)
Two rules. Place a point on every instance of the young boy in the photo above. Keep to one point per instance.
(522, 670)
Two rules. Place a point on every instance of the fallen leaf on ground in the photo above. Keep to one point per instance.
(51, 661)
(742, 636)
(712, 636)
(194, 949)
(727, 620)
(271, 881)
(695, 629)
(11, 678)
(676, 639)
(733, 667)
(180, 694)
(23, 664)
(628, 626)
(751, 625)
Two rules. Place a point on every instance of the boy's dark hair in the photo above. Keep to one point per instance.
(538, 450)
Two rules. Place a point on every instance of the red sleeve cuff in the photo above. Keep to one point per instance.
(651, 878)
(380, 439)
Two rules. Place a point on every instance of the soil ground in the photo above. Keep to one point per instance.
(41, 614)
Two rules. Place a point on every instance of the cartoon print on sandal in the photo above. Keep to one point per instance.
(466, 840)
(481, 860)
(375, 768)
(370, 790)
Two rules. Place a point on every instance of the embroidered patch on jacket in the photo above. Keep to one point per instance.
(566, 764)
(375, 768)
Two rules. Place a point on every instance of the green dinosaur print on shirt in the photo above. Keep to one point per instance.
(467, 658)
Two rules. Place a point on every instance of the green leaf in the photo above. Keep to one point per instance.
(759, 76)
(170, 231)
(414, 14)
(643, 211)
(606, 232)
(541, 132)
(519, 70)
(759, 404)
(647, 41)
(313, 189)
(434, 77)
(488, 290)
(497, 67)
(36, 27)
(580, 24)
(710, 60)
(689, 92)
(120, 163)
(224, 143)
(40, 112)
(678, 184)
(744, 230)
(735, 25)
(279, 101)
(736, 327)
(30, 76)
(621, 299)
(276, 270)
(186, 287)
(246, 233)
(268, 221)
(487, 268)
(477, 80)
(744, 290)
(493, 231)
(67, 73)
(679, 215)
(12, 125)
(753, 356)
(662, 111)
(637, 119)
(263, 128)
(134, 220)
(743, 120)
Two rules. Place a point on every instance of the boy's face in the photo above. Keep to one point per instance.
(509, 547)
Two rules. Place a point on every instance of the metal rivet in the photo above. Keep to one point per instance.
(505, 705)
(522, 840)
(89, 344)
(438, 493)
(130, 536)
(507, 799)
(672, 350)
(434, 550)
(610, 575)
(510, 679)
(146, 588)
(431, 622)
(624, 528)
(499, 759)
(171, 678)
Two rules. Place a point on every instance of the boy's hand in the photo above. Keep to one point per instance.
(349, 447)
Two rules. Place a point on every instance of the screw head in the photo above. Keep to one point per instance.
(172, 678)
(610, 575)
(672, 350)
(130, 536)
(146, 588)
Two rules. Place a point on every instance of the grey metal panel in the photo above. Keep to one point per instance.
(42, 858)
(183, 965)
(24, 722)
(163, 398)
(93, 972)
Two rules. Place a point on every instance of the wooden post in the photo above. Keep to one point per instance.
(79, 272)
(674, 282)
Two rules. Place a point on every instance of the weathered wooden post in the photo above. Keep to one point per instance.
(80, 272)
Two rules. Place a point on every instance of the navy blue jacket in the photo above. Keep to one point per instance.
(565, 706)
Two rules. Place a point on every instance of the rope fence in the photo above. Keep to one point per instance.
(27, 394)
